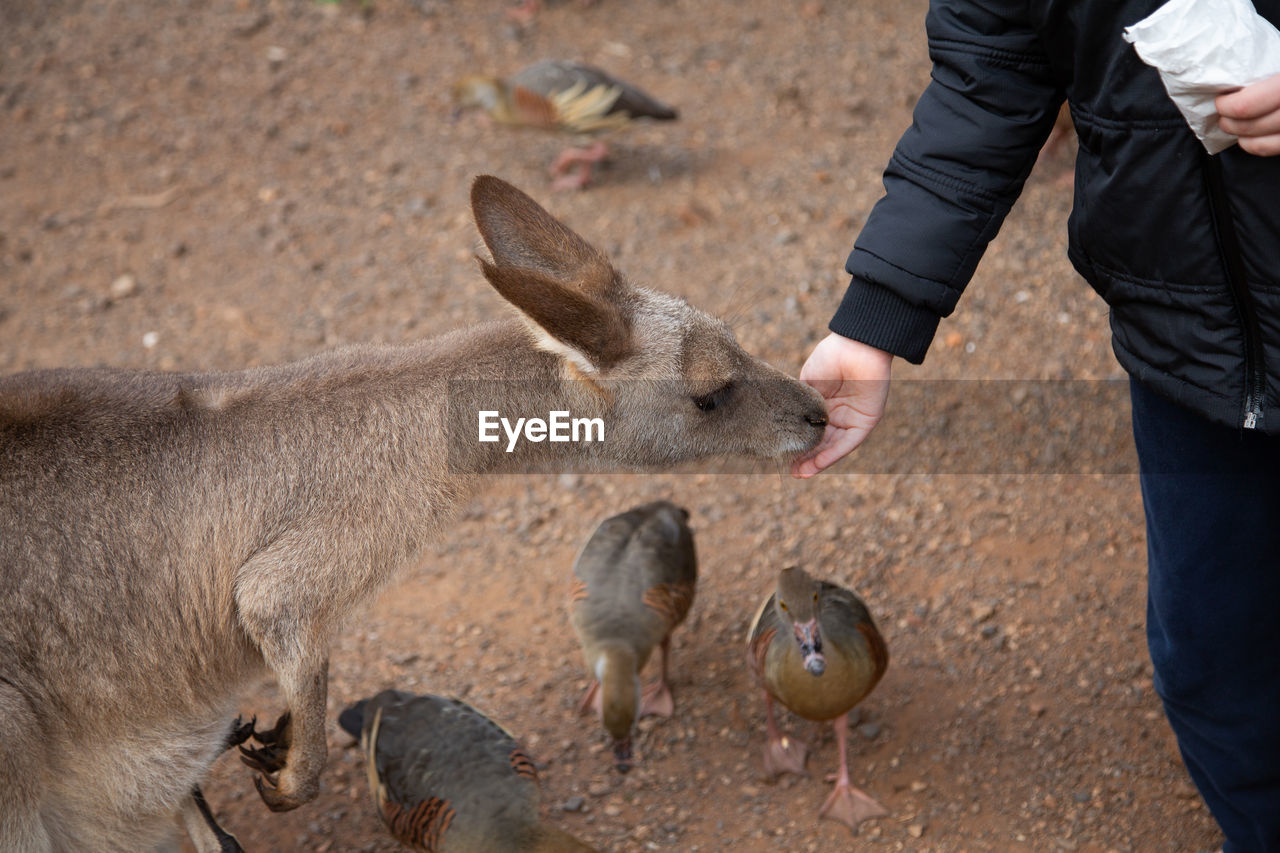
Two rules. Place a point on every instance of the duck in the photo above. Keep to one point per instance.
(447, 779)
(814, 648)
(567, 96)
(633, 584)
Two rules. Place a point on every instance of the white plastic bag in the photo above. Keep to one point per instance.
(1203, 48)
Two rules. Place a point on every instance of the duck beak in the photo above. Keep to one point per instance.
(811, 647)
(622, 755)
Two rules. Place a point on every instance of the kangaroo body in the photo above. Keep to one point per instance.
(166, 539)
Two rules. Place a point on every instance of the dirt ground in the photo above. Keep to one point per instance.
(191, 185)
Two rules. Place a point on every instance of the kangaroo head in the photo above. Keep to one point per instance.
(678, 385)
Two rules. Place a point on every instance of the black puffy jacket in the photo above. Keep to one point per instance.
(1185, 248)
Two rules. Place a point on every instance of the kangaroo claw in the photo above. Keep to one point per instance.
(266, 761)
(271, 795)
(277, 735)
(272, 756)
(281, 795)
(240, 732)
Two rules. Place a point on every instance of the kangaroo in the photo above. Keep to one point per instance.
(166, 539)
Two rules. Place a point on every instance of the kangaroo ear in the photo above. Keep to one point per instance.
(565, 287)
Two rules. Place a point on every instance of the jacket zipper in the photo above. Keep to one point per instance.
(1233, 261)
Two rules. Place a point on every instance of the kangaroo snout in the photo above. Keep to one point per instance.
(813, 416)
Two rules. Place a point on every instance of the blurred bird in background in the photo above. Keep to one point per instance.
(570, 97)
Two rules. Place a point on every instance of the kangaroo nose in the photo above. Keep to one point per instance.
(816, 420)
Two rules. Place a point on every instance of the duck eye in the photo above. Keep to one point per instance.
(714, 400)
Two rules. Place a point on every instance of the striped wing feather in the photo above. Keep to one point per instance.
(760, 636)
(421, 827)
(671, 601)
(588, 109)
(533, 109)
(439, 764)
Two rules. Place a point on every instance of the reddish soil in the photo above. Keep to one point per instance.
(219, 185)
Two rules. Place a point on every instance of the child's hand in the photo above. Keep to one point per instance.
(1253, 114)
(853, 378)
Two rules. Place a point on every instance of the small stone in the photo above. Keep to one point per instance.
(599, 789)
(915, 830)
(612, 810)
(150, 339)
(870, 730)
(124, 286)
(750, 791)
(574, 803)
(983, 611)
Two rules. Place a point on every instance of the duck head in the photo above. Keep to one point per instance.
(477, 91)
(797, 599)
(620, 703)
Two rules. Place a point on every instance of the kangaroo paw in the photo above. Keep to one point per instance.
(278, 735)
(240, 732)
(272, 756)
(266, 760)
(280, 796)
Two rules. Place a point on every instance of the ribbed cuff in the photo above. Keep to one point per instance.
(880, 318)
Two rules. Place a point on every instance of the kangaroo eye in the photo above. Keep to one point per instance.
(714, 400)
(783, 605)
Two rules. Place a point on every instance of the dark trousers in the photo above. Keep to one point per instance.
(1212, 499)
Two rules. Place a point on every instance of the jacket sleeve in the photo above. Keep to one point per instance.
(954, 175)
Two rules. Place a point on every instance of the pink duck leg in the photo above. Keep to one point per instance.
(782, 754)
(847, 804)
(579, 160)
(657, 698)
